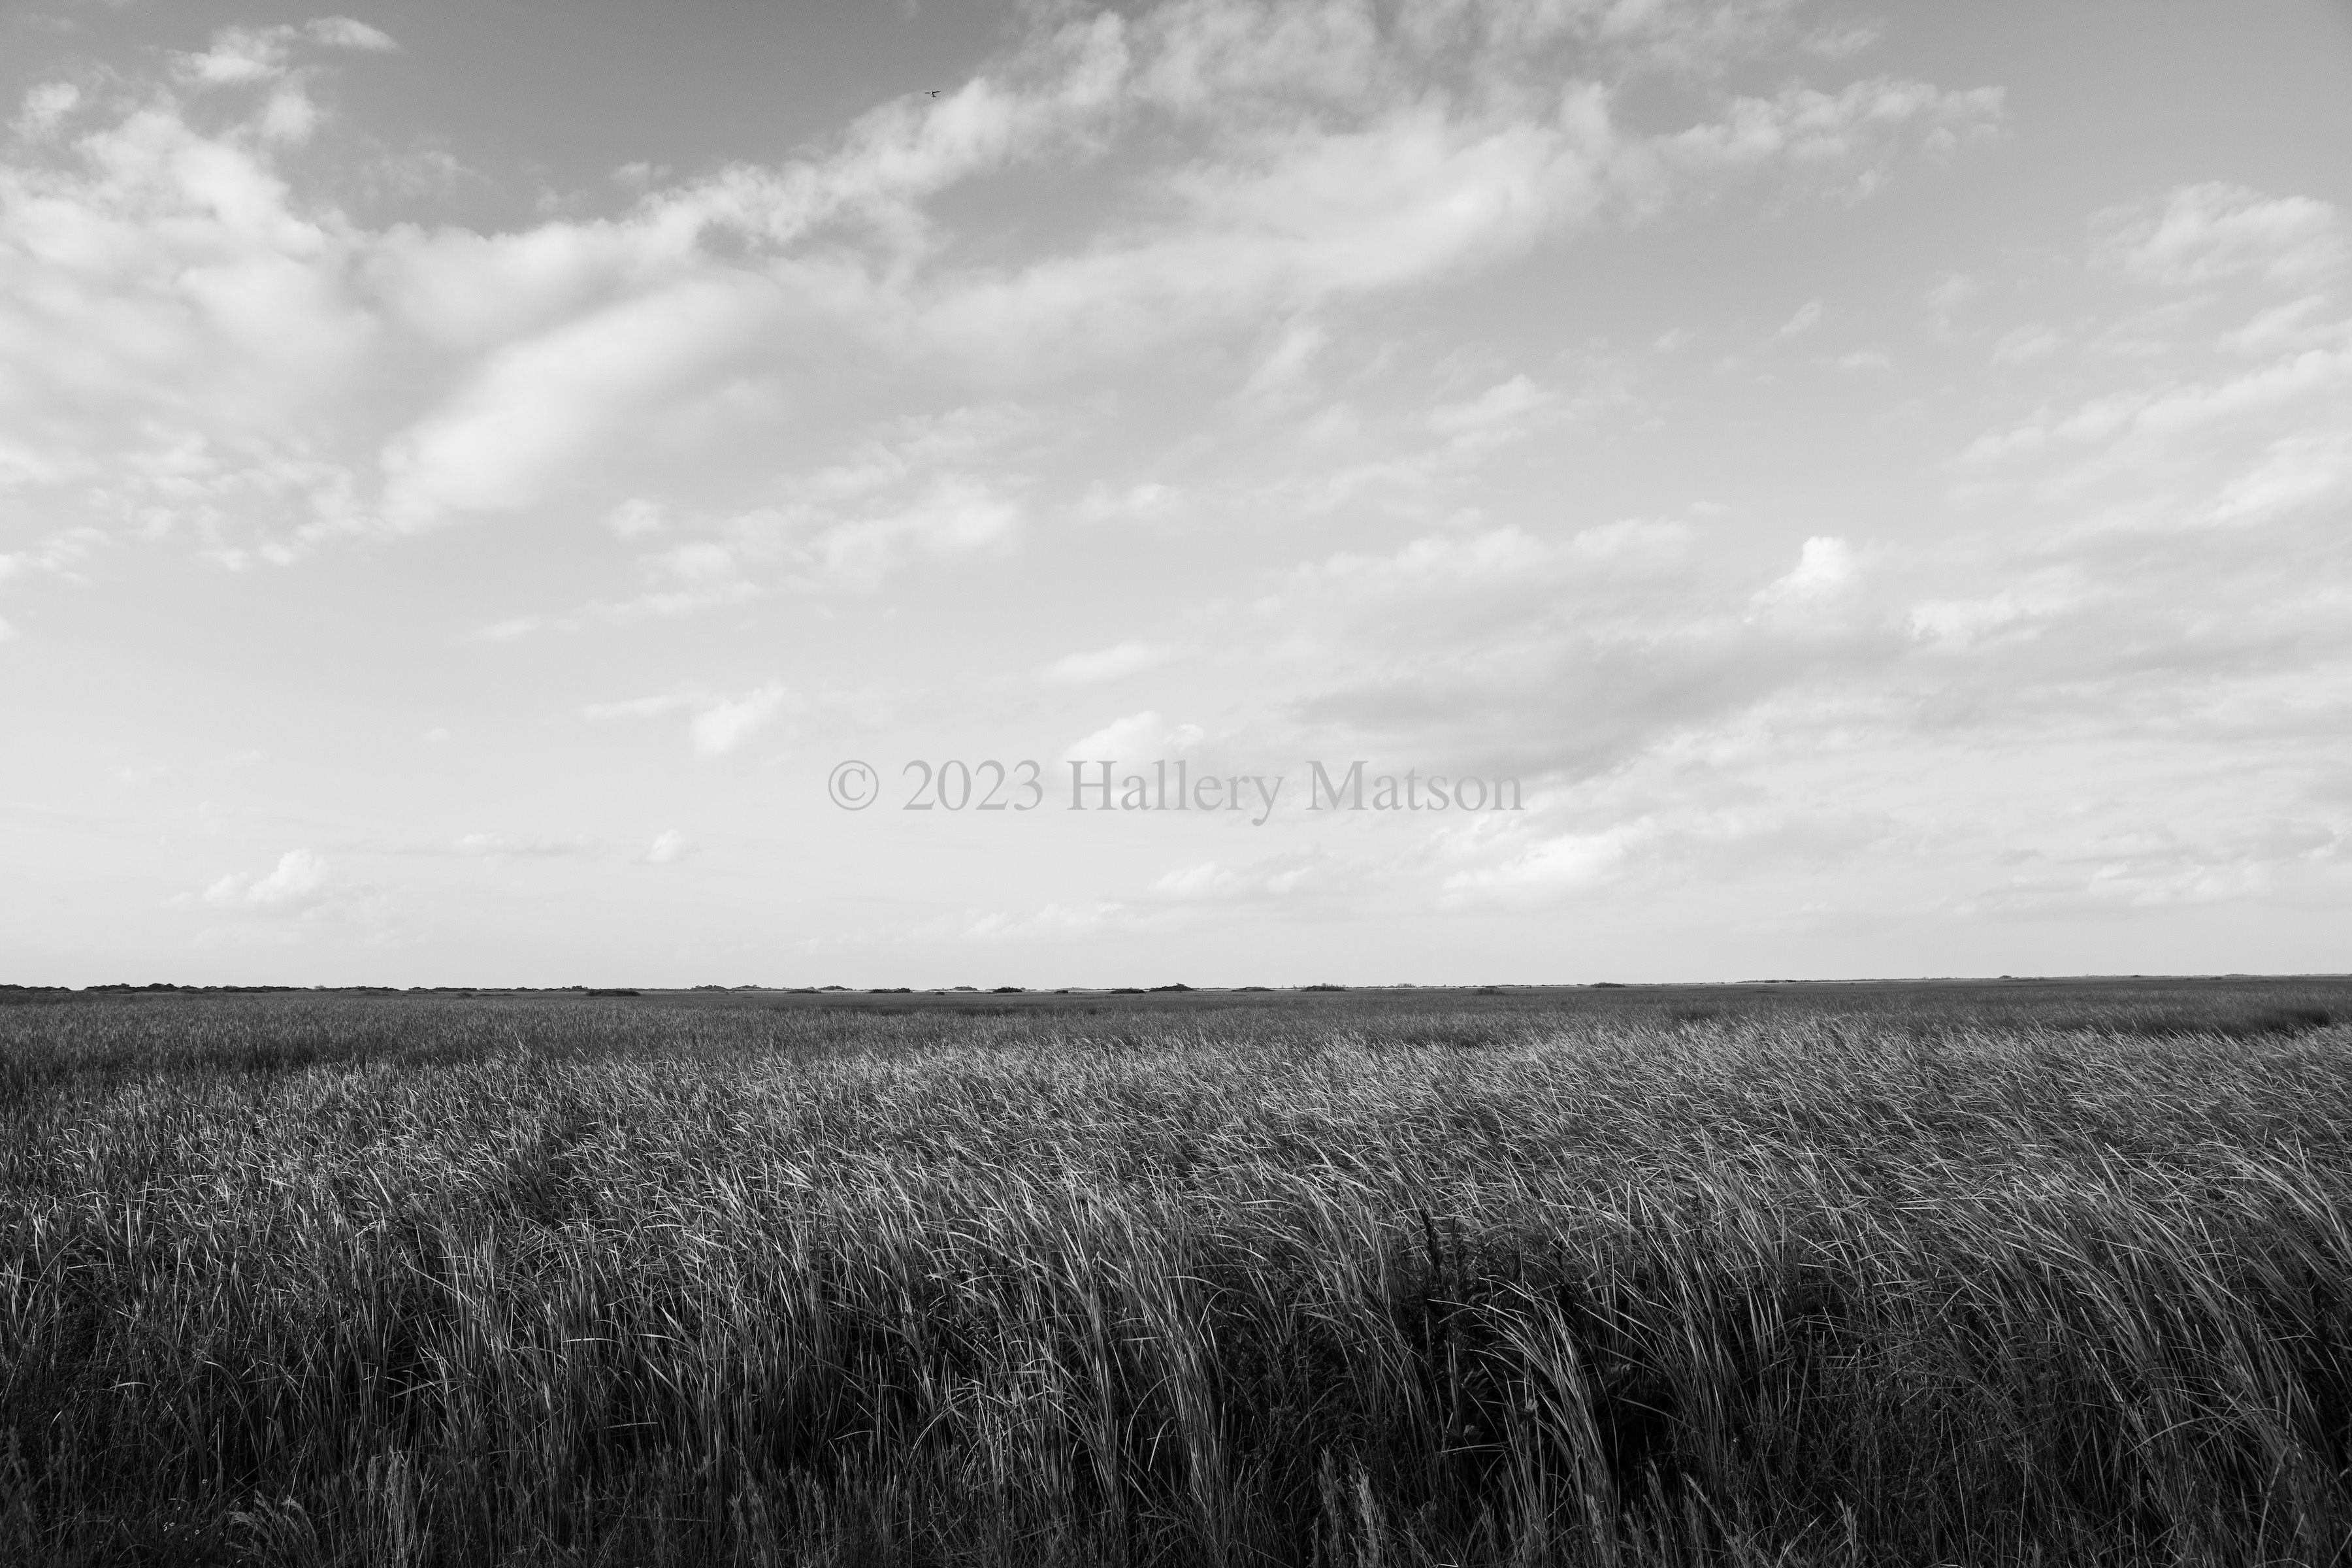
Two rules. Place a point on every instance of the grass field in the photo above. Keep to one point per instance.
(2031, 1272)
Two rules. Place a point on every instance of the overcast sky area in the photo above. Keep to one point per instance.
(1875, 480)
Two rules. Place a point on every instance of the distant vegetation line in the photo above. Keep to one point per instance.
(9, 989)
(1629, 1278)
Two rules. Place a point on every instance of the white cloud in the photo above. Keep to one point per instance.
(723, 726)
(2023, 610)
(1284, 363)
(1825, 567)
(487, 845)
(2206, 233)
(642, 707)
(2296, 472)
(668, 846)
(1105, 664)
(701, 563)
(1551, 869)
(1276, 877)
(238, 56)
(45, 109)
(2025, 344)
(1137, 738)
(957, 515)
(1846, 140)
(1807, 317)
(301, 887)
(1053, 922)
(1630, 538)
(717, 725)
(1503, 411)
(2158, 866)
(2298, 325)
(342, 33)
(539, 409)
(206, 341)
(299, 876)
(1491, 555)
(1143, 503)
(635, 517)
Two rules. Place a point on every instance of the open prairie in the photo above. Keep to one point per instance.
(1868, 1274)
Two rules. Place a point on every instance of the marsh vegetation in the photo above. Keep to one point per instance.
(1734, 1275)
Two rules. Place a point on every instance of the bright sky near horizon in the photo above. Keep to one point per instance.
(1874, 479)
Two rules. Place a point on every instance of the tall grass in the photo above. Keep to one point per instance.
(292, 1280)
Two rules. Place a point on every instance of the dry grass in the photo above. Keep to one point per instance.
(1982, 1276)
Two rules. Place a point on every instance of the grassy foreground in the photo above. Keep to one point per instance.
(1786, 1275)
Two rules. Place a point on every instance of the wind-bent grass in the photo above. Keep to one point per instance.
(292, 1280)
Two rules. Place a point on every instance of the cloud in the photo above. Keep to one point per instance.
(642, 707)
(537, 409)
(635, 517)
(1825, 568)
(207, 342)
(2209, 233)
(1105, 664)
(2296, 472)
(504, 845)
(1505, 653)
(238, 56)
(702, 562)
(300, 888)
(45, 109)
(1844, 142)
(1052, 922)
(2025, 344)
(1285, 364)
(2154, 553)
(1553, 868)
(342, 33)
(668, 846)
(1807, 317)
(958, 515)
(719, 725)
(300, 876)
(1286, 877)
(1502, 413)
(1491, 555)
(1139, 737)
(2145, 867)
(722, 727)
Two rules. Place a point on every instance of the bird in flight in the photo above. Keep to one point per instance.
(934, 92)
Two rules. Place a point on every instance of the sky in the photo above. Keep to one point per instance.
(548, 493)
